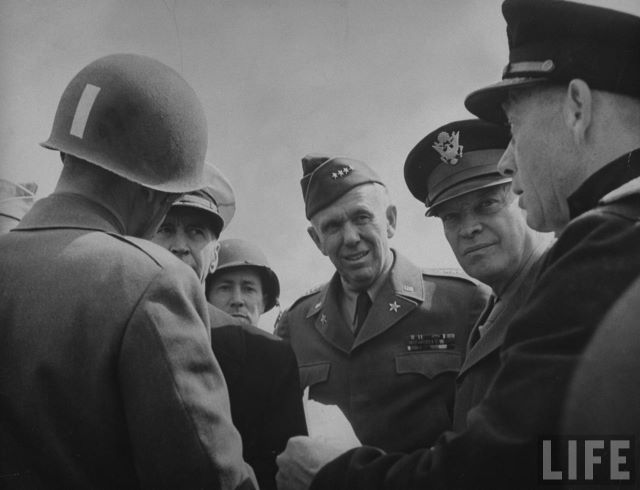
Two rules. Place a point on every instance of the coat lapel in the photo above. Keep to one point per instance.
(491, 340)
(504, 311)
(401, 293)
(328, 320)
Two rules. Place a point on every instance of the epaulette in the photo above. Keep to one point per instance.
(306, 294)
(450, 272)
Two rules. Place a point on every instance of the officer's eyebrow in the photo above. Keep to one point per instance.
(331, 223)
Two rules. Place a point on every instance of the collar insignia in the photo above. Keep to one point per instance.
(343, 172)
(394, 307)
(448, 147)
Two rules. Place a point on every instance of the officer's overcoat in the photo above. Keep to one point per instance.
(483, 352)
(266, 398)
(107, 378)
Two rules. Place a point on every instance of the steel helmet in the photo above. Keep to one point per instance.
(235, 252)
(137, 118)
(216, 198)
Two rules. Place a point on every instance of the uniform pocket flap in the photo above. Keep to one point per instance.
(311, 374)
(429, 364)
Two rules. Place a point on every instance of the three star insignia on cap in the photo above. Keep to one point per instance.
(448, 147)
(343, 172)
(394, 307)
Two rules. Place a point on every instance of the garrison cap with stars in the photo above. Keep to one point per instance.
(556, 41)
(326, 179)
(455, 159)
(216, 197)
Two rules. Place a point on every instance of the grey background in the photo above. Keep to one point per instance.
(278, 79)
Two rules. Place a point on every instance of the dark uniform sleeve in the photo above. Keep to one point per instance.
(173, 392)
(284, 415)
(593, 262)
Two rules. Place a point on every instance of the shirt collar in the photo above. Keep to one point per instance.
(606, 179)
(349, 297)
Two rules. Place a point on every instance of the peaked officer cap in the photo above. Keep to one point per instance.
(216, 197)
(555, 41)
(455, 159)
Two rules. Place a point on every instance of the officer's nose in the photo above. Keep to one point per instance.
(236, 297)
(470, 225)
(179, 245)
(507, 164)
(350, 234)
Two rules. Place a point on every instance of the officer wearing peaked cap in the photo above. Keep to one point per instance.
(260, 369)
(113, 382)
(454, 172)
(571, 94)
(382, 340)
(195, 220)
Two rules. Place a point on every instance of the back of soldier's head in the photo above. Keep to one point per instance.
(136, 118)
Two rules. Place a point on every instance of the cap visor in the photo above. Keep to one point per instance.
(465, 188)
(486, 103)
(216, 219)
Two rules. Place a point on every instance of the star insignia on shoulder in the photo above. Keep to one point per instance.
(323, 320)
(394, 307)
(334, 175)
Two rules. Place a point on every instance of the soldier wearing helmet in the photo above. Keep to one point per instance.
(243, 285)
(113, 383)
(260, 369)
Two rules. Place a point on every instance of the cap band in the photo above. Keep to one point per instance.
(197, 202)
(542, 67)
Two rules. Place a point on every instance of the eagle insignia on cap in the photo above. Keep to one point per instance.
(343, 172)
(448, 147)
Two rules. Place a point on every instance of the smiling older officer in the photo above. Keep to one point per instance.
(382, 340)
(454, 172)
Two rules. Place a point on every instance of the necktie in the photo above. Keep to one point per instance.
(363, 305)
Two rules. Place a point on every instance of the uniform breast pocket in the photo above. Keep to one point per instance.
(429, 364)
(311, 374)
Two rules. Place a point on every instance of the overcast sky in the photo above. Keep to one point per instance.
(278, 79)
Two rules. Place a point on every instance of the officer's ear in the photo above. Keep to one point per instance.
(392, 220)
(577, 109)
(214, 260)
(316, 239)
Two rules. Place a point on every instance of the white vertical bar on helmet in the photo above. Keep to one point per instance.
(83, 109)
